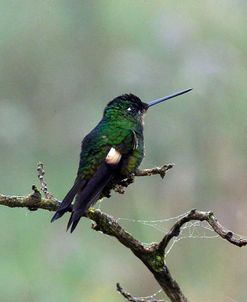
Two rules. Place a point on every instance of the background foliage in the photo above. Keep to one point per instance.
(60, 63)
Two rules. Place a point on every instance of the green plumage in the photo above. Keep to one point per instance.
(121, 128)
(112, 151)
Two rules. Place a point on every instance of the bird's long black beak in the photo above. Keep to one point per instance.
(157, 101)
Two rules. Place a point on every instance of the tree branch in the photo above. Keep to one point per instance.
(128, 296)
(151, 255)
(202, 216)
(33, 201)
(154, 171)
(119, 188)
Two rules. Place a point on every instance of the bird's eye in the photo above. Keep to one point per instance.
(133, 110)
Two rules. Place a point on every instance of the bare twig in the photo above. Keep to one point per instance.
(128, 296)
(154, 171)
(43, 184)
(124, 183)
(212, 221)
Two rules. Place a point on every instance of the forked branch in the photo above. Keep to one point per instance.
(153, 255)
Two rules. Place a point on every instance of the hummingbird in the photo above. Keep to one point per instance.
(111, 152)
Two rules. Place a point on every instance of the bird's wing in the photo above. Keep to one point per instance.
(87, 192)
(90, 193)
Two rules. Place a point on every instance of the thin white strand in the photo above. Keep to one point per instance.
(153, 221)
(190, 230)
(152, 296)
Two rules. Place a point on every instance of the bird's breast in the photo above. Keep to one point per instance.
(133, 160)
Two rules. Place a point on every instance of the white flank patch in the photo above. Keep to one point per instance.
(113, 157)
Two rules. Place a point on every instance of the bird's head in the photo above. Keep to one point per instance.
(131, 107)
(127, 106)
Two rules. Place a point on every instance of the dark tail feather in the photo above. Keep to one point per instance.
(77, 214)
(89, 194)
(66, 203)
(69, 222)
(57, 215)
(72, 223)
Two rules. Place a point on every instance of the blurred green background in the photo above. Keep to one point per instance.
(60, 63)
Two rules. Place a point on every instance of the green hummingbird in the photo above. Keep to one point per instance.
(111, 152)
